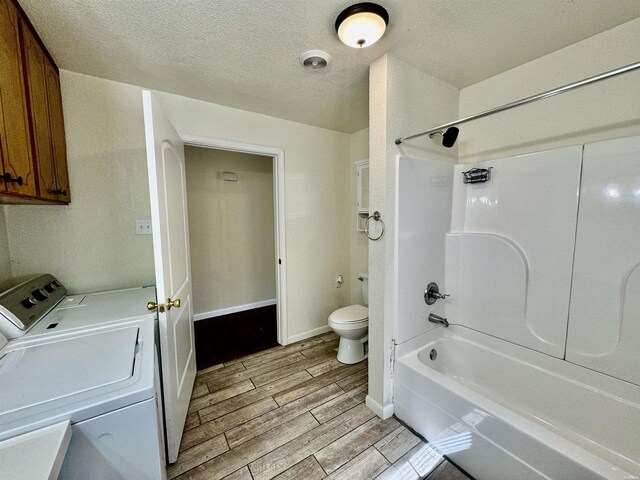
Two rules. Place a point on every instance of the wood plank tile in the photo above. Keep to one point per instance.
(193, 420)
(254, 355)
(228, 380)
(242, 474)
(397, 443)
(219, 395)
(365, 466)
(192, 457)
(320, 381)
(210, 369)
(224, 423)
(355, 442)
(287, 370)
(292, 347)
(329, 336)
(266, 422)
(423, 458)
(399, 471)
(340, 404)
(355, 380)
(270, 357)
(446, 471)
(283, 458)
(321, 350)
(236, 458)
(207, 375)
(252, 396)
(324, 367)
(199, 390)
(308, 469)
(254, 402)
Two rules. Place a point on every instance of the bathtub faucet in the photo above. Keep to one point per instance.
(433, 318)
(432, 294)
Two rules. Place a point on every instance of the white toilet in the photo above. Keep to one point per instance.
(351, 324)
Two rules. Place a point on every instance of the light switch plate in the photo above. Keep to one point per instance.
(143, 227)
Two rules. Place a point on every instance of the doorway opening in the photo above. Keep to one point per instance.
(236, 232)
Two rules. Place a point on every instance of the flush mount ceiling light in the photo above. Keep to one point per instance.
(362, 24)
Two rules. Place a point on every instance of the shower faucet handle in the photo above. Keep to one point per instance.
(432, 293)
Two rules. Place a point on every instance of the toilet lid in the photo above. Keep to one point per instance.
(352, 313)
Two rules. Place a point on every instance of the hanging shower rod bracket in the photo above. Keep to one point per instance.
(525, 101)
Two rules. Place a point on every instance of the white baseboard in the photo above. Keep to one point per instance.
(383, 412)
(238, 308)
(308, 334)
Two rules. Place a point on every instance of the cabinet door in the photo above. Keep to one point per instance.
(35, 61)
(56, 120)
(14, 126)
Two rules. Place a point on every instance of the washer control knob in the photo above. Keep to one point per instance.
(50, 287)
(29, 302)
(40, 294)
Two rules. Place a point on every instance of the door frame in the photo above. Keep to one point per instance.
(277, 154)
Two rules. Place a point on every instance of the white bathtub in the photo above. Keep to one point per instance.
(501, 411)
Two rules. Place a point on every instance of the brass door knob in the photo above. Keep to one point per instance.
(154, 305)
(173, 303)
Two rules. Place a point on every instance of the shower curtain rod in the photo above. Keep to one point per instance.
(524, 101)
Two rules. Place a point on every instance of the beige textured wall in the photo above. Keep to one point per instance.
(231, 229)
(5, 259)
(609, 109)
(359, 242)
(402, 100)
(316, 164)
(91, 245)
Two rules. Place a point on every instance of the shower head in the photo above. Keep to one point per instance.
(449, 136)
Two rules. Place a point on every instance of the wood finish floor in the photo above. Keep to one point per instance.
(220, 339)
(295, 412)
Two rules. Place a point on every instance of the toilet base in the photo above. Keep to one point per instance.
(352, 351)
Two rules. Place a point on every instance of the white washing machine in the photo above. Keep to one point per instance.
(90, 359)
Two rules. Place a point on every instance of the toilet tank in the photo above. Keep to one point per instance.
(365, 288)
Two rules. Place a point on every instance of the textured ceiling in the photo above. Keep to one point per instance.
(244, 53)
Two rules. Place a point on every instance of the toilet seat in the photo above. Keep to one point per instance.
(351, 315)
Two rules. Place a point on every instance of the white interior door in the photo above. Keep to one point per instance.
(167, 186)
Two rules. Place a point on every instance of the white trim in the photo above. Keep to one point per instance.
(382, 412)
(280, 216)
(237, 308)
(308, 334)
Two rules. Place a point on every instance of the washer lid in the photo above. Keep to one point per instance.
(39, 373)
(81, 312)
(352, 313)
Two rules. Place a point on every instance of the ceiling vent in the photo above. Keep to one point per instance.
(315, 60)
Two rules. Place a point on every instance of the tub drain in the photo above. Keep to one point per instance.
(433, 354)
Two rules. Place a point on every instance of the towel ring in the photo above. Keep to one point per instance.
(377, 216)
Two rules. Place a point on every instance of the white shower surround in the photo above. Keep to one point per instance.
(520, 412)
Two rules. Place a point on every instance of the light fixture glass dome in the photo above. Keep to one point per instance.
(362, 24)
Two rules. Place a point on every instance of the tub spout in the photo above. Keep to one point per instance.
(433, 318)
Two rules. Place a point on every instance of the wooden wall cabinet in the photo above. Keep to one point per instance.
(17, 175)
(33, 150)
